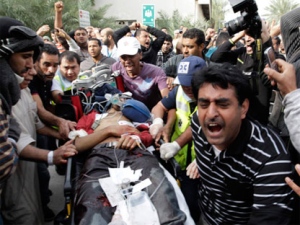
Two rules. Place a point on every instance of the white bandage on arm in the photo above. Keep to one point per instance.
(74, 133)
(50, 157)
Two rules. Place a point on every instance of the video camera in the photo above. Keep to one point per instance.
(249, 18)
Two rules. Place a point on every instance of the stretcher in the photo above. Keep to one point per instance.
(78, 103)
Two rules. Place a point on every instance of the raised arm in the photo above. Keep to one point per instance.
(58, 7)
(160, 36)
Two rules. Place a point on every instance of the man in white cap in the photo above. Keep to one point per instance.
(146, 82)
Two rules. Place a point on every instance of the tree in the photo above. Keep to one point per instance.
(176, 20)
(277, 8)
(218, 13)
(35, 13)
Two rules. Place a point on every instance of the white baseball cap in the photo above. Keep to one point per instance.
(128, 46)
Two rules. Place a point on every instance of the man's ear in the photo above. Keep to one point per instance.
(244, 108)
(202, 46)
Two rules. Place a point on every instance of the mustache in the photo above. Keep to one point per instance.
(48, 74)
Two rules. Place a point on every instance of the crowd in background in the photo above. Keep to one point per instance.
(221, 107)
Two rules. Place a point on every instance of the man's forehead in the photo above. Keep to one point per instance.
(144, 33)
(68, 61)
(189, 40)
(80, 31)
(46, 56)
(93, 42)
(217, 90)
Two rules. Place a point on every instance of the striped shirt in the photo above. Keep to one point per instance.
(8, 157)
(244, 183)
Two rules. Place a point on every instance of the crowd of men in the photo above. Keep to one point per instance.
(228, 118)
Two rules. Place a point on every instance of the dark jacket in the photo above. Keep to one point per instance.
(170, 67)
(261, 86)
(150, 54)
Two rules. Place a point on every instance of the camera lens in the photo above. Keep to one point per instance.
(236, 25)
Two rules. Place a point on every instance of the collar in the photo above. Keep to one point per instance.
(19, 78)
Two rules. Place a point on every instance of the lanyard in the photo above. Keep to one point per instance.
(108, 54)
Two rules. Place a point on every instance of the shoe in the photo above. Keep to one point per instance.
(48, 214)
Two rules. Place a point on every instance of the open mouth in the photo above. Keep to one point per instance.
(214, 127)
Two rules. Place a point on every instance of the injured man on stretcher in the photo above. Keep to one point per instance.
(121, 135)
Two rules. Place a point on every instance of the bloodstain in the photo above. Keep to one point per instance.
(104, 200)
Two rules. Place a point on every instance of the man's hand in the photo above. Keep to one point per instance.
(210, 32)
(119, 130)
(65, 151)
(43, 30)
(192, 170)
(170, 81)
(265, 34)
(134, 26)
(163, 134)
(291, 183)
(65, 126)
(61, 33)
(58, 6)
(155, 127)
(169, 150)
(285, 79)
(128, 142)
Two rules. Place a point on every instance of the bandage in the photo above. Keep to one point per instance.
(50, 158)
(74, 133)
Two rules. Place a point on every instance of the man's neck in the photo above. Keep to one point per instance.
(98, 58)
(83, 46)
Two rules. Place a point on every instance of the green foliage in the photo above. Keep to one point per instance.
(277, 8)
(218, 13)
(35, 13)
(174, 21)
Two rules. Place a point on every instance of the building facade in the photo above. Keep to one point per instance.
(135, 11)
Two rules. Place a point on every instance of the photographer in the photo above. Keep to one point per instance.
(250, 58)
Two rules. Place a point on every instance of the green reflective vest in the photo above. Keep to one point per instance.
(183, 121)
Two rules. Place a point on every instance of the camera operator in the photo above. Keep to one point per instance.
(247, 60)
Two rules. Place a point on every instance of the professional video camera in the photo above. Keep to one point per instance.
(249, 18)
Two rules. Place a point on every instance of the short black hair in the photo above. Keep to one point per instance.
(50, 49)
(195, 33)
(168, 38)
(223, 75)
(70, 56)
(222, 37)
(95, 39)
(277, 39)
(80, 28)
(139, 31)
